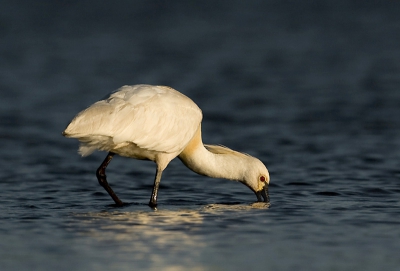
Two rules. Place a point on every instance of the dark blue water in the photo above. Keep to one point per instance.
(311, 88)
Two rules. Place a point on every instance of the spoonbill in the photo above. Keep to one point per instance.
(158, 123)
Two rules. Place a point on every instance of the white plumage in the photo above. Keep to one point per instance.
(158, 123)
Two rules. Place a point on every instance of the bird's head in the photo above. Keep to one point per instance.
(257, 179)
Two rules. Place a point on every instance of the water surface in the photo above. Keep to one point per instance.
(312, 89)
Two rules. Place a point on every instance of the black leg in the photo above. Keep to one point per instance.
(101, 177)
(153, 199)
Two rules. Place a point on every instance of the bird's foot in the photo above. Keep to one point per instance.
(119, 204)
(153, 205)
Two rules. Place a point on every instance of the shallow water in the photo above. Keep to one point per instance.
(310, 89)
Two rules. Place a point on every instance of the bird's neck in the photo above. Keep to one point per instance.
(216, 165)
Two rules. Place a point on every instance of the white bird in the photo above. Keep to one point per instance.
(158, 123)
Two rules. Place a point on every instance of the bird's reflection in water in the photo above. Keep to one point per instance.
(236, 207)
(157, 237)
(158, 225)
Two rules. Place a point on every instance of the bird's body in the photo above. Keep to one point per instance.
(158, 123)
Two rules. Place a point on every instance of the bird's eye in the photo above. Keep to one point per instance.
(262, 178)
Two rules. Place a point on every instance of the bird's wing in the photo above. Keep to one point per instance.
(162, 119)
